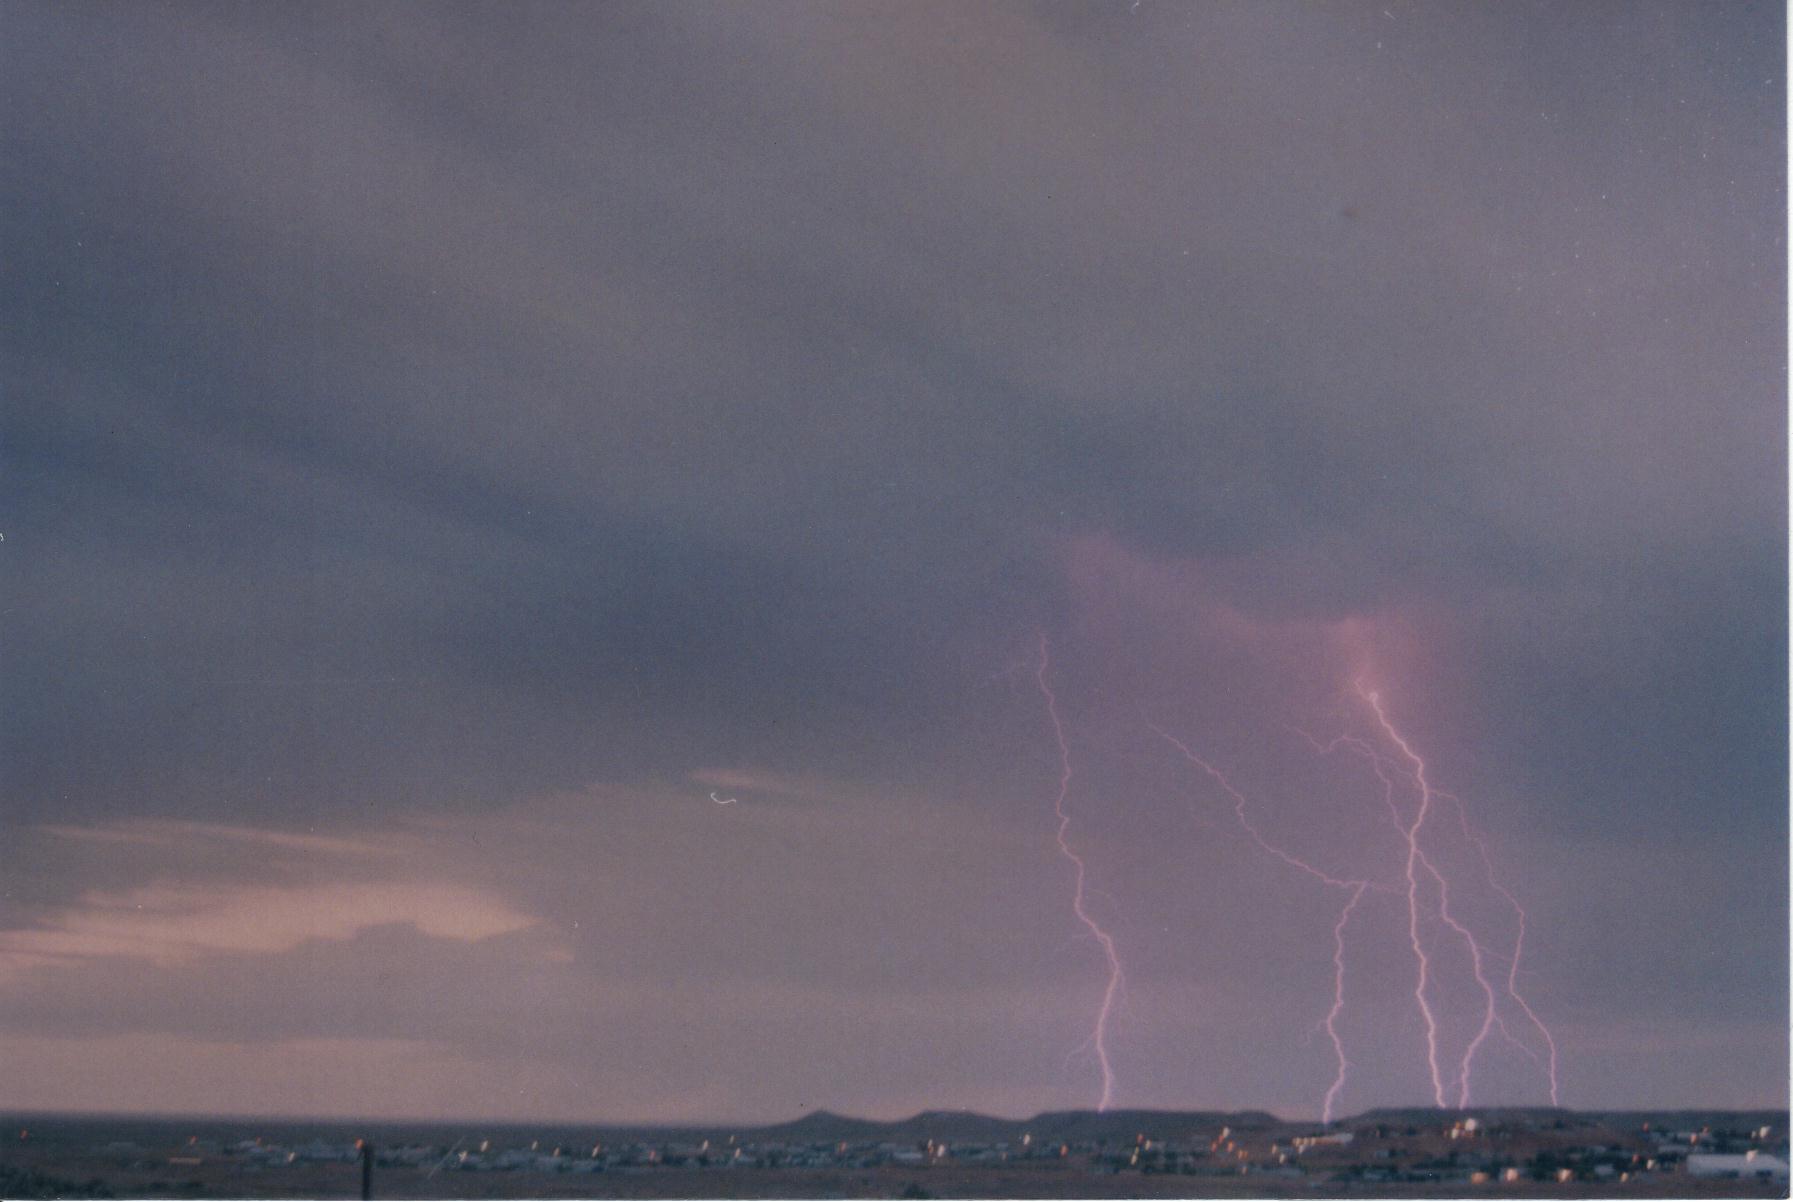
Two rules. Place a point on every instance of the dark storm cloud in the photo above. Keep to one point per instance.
(416, 411)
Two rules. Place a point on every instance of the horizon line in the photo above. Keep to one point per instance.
(724, 1125)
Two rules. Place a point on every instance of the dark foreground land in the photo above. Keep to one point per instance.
(1131, 1154)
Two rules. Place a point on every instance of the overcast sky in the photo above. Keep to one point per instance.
(446, 446)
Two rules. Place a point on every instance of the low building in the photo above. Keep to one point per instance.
(1757, 1165)
(1332, 1139)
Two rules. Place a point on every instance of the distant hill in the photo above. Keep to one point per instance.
(818, 1127)
(1432, 1116)
(1113, 1125)
(964, 1126)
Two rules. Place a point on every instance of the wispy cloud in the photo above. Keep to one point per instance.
(169, 924)
(167, 832)
(330, 887)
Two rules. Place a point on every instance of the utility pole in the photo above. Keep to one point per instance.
(367, 1170)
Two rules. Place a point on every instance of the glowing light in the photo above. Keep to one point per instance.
(1098, 1039)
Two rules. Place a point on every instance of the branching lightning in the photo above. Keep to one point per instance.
(1356, 889)
(1239, 804)
(1415, 858)
(1445, 910)
(1098, 1039)
(1518, 947)
(1428, 892)
(1382, 766)
(1478, 954)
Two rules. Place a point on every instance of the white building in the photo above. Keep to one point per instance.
(1334, 1139)
(1746, 1164)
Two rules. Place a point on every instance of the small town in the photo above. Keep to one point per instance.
(1496, 1152)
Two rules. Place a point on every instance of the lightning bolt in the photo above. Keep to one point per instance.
(1338, 1004)
(1430, 883)
(1518, 947)
(1357, 888)
(1239, 805)
(1491, 1020)
(1099, 1034)
(1428, 893)
(1414, 859)
(1481, 978)
(1416, 770)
